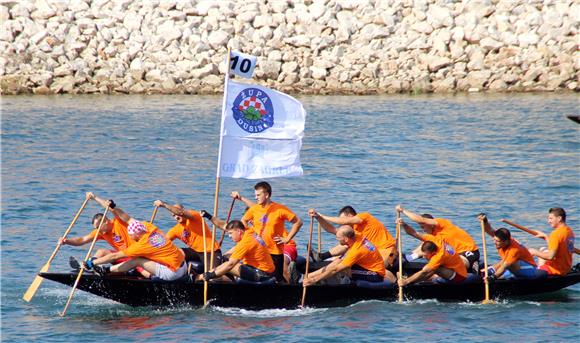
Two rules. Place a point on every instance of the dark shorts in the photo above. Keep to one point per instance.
(359, 273)
(194, 256)
(250, 273)
(279, 265)
(472, 257)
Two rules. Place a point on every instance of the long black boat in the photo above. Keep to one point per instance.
(138, 291)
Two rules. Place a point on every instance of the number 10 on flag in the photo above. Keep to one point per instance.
(242, 65)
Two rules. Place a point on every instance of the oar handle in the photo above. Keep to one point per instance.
(307, 260)
(486, 281)
(154, 214)
(400, 251)
(204, 262)
(227, 220)
(523, 228)
(319, 238)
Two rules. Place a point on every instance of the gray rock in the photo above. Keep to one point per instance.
(218, 39)
(212, 80)
(270, 69)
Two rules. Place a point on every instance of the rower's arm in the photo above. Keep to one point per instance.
(296, 225)
(246, 201)
(77, 241)
(415, 217)
(486, 225)
(410, 231)
(219, 223)
(547, 255)
(325, 272)
(326, 225)
(109, 258)
(501, 268)
(225, 267)
(421, 275)
(175, 210)
(117, 212)
(344, 220)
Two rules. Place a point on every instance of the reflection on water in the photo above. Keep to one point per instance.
(511, 156)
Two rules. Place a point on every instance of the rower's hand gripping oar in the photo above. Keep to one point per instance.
(307, 261)
(486, 278)
(82, 270)
(38, 279)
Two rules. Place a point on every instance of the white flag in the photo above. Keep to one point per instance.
(260, 158)
(260, 112)
(262, 132)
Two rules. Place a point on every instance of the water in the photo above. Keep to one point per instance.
(512, 156)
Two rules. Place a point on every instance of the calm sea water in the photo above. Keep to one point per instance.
(512, 156)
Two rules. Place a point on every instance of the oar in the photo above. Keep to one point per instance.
(72, 292)
(227, 220)
(154, 214)
(485, 281)
(523, 228)
(319, 238)
(204, 263)
(400, 248)
(307, 260)
(38, 280)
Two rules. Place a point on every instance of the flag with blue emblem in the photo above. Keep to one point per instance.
(261, 133)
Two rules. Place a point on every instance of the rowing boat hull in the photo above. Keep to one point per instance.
(136, 291)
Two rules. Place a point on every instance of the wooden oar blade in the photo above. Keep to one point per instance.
(31, 291)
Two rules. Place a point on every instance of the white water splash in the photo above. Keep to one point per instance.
(271, 313)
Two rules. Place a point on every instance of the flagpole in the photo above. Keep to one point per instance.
(217, 179)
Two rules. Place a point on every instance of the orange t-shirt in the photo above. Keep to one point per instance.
(118, 237)
(191, 234)
(252, 250)
(446, 257)
(154, 246)
(561, 240)
(454, 236)
(268, 222)
(364, 254)
(375, 231)
(515, 252)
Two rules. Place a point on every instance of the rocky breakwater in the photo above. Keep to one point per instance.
(323, 47)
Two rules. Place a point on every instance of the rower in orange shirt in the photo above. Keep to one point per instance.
(290, 250)
(151, 250)
(362, 223)
(362, 260)
(557, 258)
(268, 219)
(516, 260)
(189, 230)
(460, 240)
(251, 250)
(444, 266)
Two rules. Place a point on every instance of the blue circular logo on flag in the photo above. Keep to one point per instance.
(253, 110)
